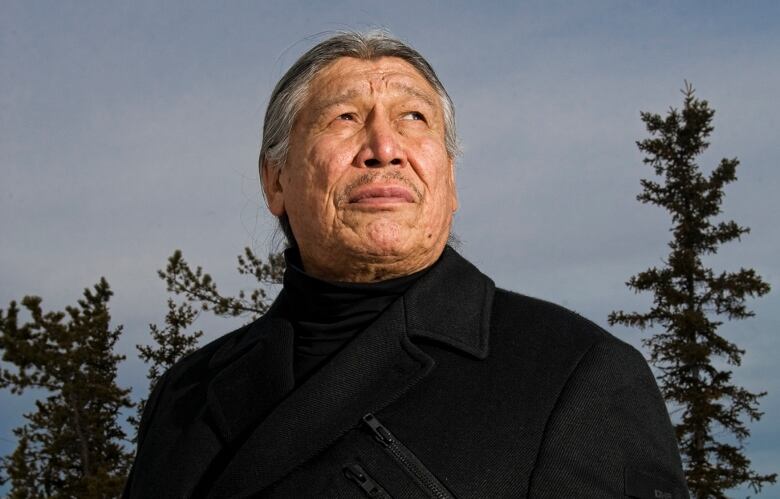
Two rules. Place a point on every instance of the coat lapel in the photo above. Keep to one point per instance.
(375, 368)
(257, 374)
(452, 305)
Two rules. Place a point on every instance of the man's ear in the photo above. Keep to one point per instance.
(454, 186)
(272, 187)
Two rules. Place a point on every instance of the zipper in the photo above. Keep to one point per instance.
(406, 458)
(357, 474)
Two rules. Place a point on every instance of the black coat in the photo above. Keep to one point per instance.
(470, 391)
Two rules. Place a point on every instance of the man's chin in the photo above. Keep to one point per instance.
(380, 249)
(384, 237)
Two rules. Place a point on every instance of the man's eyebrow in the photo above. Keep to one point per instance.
(415, 92)
(336, 99)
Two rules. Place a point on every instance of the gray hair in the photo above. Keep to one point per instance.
(289, 95)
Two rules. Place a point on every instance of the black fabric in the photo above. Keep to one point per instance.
(325, 315)
(498, 394)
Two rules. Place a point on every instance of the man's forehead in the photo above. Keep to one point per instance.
(348, 77)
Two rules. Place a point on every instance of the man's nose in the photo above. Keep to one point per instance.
(381, 145)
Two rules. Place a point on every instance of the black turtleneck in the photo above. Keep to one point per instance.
(326, 315)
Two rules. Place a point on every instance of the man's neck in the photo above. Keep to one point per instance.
(366, 268)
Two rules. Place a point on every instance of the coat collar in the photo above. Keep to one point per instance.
(274, 427)
(451, 304)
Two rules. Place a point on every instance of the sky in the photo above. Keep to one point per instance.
(131, 129)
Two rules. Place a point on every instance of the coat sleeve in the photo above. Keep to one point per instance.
(609, 434)
(149, 408)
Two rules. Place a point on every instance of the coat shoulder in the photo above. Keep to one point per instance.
(544, 324)
(552, 338)
(539, 340)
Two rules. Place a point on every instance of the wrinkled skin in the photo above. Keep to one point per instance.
(368, 185)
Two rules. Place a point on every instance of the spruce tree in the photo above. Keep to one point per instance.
(198, 287)
(690, 299)
(71, 444)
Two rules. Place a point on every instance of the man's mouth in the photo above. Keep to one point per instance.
(381, 194)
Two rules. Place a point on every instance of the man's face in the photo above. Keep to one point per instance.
(368, 183)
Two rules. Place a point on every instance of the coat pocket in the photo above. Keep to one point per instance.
(406, 459)
(360, 476)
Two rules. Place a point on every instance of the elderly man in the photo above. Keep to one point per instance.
(389, 366)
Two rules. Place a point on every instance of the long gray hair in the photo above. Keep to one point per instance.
(289, 95)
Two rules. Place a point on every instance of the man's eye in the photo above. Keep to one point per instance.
(347, 117)
(413, 115)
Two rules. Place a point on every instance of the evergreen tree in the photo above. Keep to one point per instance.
(689, 299)
(198, 287)
(72, 444)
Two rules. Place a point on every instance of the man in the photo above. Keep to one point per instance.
(389, 366)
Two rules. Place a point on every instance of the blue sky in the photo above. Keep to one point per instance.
(128, 130)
